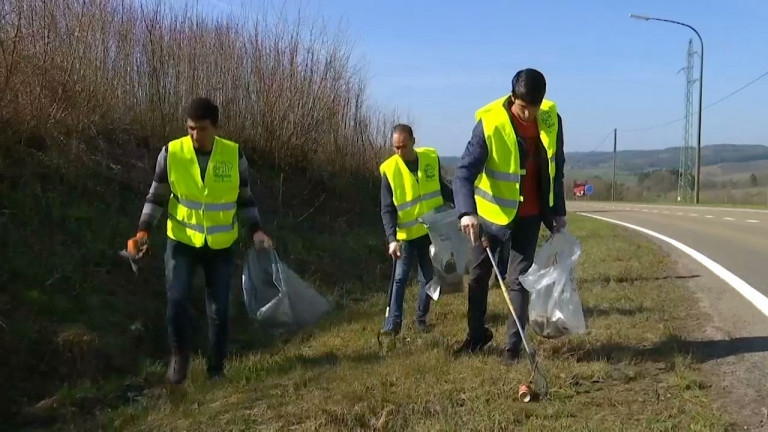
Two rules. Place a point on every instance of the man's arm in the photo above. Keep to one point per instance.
(558, 208)
(388, 210)
(469, 167)
(158, 195)
(246, 203)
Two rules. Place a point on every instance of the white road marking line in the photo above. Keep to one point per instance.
(692, 214)
(752, 221)
(709, 216)
(749, 293)
(655, 211)
(708, 208)
(679, 214)
(727, 218)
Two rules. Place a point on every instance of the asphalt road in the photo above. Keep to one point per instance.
(737, 239)
(733, 338)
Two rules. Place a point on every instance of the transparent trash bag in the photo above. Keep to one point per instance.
(276, 296)
(555, 306)
(449, 251)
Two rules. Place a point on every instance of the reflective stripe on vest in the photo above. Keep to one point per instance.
(413, 197)
(203, 212)
(497, 188)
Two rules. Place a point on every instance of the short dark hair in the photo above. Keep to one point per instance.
(201, 109)
(403, 128)
(529, 85)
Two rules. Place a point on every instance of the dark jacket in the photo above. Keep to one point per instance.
(388, 210)
(473, 161)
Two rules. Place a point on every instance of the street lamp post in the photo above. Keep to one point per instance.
(701, 91)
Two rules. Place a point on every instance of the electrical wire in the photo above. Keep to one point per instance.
(601, 142)
(697, 111)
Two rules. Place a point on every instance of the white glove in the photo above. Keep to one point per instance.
(394, 249)
(469, 226)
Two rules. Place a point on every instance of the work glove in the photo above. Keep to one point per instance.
(394, 250)
(138, 245)
(470, 227)
(261, 240)
(559, 224)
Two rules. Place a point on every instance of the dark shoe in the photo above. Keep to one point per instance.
(216, 374)
(392, 331)
(422, 325)
(511, 355)
(469, 346)
(177, 369)
(215, 369)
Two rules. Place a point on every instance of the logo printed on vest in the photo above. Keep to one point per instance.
(429, 171)
(222, 171)
(546, 119)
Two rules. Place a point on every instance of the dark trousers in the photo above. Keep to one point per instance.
(520, 239)
(181, 262)
(412, 251)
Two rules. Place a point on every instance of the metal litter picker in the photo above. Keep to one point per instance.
(537, 383)
(381, 333)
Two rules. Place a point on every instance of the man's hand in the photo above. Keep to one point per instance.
(559, 224)
(394, 250)
(261, 240)
(469, 227)
(138, 245)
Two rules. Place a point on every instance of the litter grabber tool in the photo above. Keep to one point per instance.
(135, 249)
(537, 383)
(131, 259)
(383, 333)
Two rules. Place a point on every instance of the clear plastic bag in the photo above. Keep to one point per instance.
(276, 296)
(555, 306)
(449, 251)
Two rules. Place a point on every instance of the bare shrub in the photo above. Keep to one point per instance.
(289, 91)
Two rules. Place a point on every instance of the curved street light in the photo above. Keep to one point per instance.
(701, 86)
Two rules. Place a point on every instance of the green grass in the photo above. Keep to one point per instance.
(629, 372)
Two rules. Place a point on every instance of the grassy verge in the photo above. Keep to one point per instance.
(626, 373)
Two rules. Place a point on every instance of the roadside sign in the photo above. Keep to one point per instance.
(589, 189)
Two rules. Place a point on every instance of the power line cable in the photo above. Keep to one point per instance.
(601, 142)
(695, 112)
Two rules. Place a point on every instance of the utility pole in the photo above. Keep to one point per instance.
(697, 184)
(613, 187)
(686, 179)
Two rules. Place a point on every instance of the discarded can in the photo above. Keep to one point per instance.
(524, 393)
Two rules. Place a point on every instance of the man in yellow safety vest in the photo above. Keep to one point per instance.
(204, 180)
(411, 185)
(509, 181)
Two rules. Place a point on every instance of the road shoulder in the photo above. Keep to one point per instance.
(728, 339)
(734, 349)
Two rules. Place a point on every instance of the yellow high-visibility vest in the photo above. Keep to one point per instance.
(497, 188)
(413, 197)
(200, 212)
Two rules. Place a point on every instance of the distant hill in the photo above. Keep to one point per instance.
(668, 158)
(647, 160)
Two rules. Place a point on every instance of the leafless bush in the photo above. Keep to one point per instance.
(287, 91)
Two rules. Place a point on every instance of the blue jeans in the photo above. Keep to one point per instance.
(416, 250)
(181, 262)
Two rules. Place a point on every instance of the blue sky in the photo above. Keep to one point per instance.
(436, 62)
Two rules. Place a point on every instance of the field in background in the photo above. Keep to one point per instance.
(633, 370)
(730, 174)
